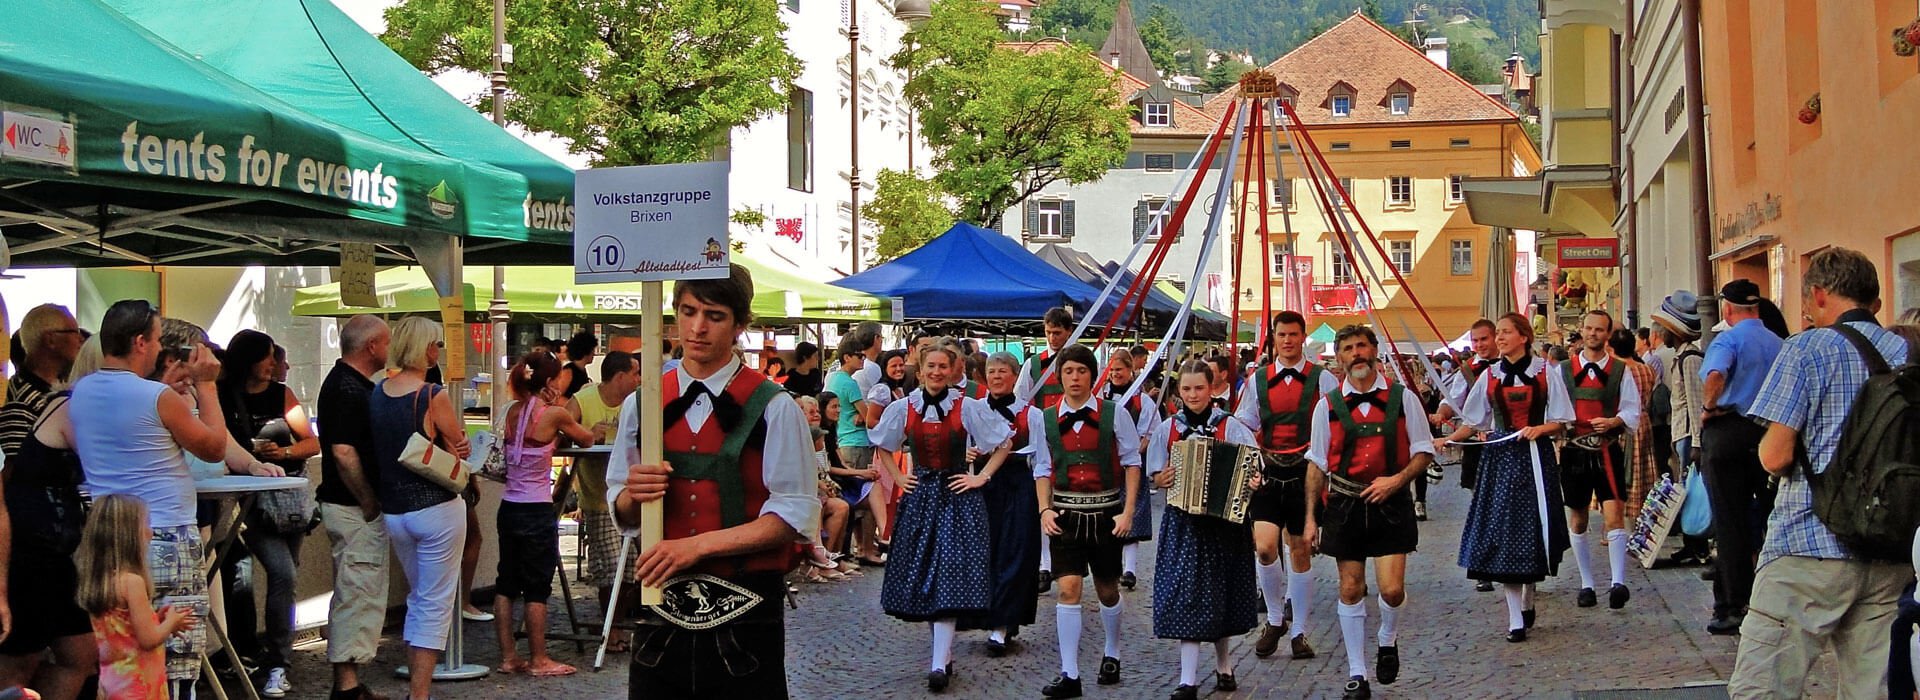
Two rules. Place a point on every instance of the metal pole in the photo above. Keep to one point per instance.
(497, 311)
(1709, 306)
(853, 103)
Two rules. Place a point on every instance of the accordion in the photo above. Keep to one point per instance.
(1210, 478)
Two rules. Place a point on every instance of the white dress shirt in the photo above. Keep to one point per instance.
(1479, 411)
(1413, 422)
(1248, 412)
(985, 428)
(1124, 434)
(1160, 445)
(786, 460)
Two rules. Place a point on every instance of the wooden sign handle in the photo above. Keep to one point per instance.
(648, 403)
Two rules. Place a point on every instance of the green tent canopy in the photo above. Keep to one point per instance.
(125, 148)
(550, 294)
(315, 57)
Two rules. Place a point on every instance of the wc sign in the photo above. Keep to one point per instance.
(36, 139)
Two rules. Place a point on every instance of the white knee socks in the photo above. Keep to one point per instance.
(942, 643)
(1046, 553)
(1353, 630)
(1110, 624)
(1300, 585)
(1189, 663)
(1582, 556)
(1617, 555)
(1221, 664)
(1390, 622)
(1272, 577)
(1130, 557)
(1516, 600)
(1066, 618)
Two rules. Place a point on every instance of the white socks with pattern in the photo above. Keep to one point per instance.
(1110, 624)
(1300, 585)
(1390, 622)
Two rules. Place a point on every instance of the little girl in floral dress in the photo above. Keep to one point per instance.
(114, 589)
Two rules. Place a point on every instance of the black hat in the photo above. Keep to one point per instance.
(1741, 292)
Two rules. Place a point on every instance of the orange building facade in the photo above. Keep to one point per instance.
(1812, 113)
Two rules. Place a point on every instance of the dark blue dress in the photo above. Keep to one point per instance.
(1204, 582)
(1014, 524)
(1502, 537)
(938, 565)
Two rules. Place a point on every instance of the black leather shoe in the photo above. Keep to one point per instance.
(1517, 636)
(1046, 581)
(1710, 573)
(1129, 580)
(1483, 586)
(1386, 665)
(1587, 599)
(1527, 617)
(1224, 682)
(1725, 625)
(1357, 690)
(937, 680)
(1618, 596)
(1062, 687)
(1109, 671)
(1185, 692)
(996, 648)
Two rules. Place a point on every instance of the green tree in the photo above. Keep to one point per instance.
(1164, 35)
(1225, 73)
(1003, 123)
(1473, 64)
(1092, 16)
(909, 212)
(628, 83)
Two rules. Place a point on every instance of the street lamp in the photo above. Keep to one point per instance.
(911, 12)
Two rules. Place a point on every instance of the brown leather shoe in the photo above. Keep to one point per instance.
(1269, 642)
(1301, 649)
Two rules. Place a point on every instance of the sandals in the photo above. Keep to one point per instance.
(556, 670)
(511, 668)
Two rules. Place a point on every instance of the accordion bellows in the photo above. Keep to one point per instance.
(1210, 478)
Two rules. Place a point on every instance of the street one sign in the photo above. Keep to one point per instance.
(1589, 252)
(650, 223)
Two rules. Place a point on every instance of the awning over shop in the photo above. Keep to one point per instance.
(973, 274)
(549, 293)
(1561, 199)
(316, 58)
(124, 149)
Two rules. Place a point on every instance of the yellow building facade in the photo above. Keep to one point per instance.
(1403, 135)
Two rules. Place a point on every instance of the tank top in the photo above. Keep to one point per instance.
(42, 493)
(124, 448)
(262, 416)
(529, 464)
(394, 420)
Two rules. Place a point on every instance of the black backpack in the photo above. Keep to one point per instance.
(1869, 496)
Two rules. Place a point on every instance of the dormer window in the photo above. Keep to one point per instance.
(1157, 114)
(1340, 99)
(1400, 103)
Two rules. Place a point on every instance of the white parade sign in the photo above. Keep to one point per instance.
(650, 223)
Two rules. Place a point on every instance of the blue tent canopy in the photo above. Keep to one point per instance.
(971, 273)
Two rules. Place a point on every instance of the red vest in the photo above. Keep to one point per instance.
(1521, 405)
(1286, 411)
(1049, 394)
(1367, 458)
(937, 446)
(712, 490)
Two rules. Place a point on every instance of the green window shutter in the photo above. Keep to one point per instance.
(1066, 219)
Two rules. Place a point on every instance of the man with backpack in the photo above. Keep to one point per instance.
(1737, 361)
(1812, 590)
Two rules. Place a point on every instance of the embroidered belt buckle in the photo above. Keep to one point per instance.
(1098, 500)
(701, 601)
(1342, 486)
(1282, 467)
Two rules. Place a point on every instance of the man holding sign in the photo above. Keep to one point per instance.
(738, 495)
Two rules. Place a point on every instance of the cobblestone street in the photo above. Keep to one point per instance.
(1452, 643)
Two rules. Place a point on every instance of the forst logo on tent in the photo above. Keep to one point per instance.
(441, 201)
(568, 300)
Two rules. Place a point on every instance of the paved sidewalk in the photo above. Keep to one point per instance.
(1452, 643)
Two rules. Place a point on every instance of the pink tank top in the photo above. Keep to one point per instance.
(529, 466)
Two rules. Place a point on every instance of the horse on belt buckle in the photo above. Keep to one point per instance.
(700, 601)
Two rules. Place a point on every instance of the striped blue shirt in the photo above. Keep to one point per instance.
(1810, 389)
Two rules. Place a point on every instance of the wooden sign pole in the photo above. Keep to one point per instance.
(648, 403)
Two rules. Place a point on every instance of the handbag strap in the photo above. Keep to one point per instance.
(427, 391)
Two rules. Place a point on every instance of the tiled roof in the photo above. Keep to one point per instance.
(1188, 120)
(1369, 58)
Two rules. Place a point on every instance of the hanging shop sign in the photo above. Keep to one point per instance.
(1589, 252)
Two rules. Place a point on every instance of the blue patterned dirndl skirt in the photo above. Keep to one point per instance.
(1203, 584)
(939, 565)
(1142, 530)
(1502, 540)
